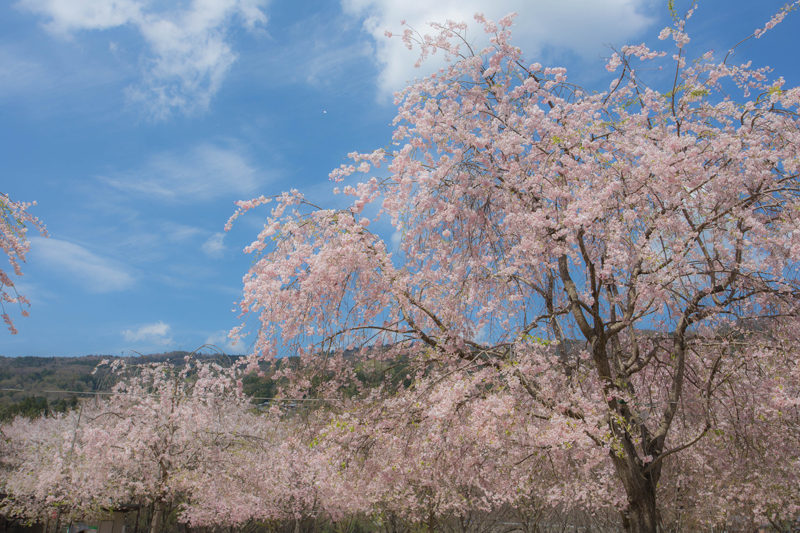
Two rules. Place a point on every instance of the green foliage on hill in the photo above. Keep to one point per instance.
(37, 386)
(35, 406)
(26, 382)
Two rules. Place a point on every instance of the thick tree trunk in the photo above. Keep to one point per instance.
(431, 521)
(639, 480)
(157, 518)
(641, 514)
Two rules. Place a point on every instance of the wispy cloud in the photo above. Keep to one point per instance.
(176, 232)
(188, 49)
(221, 340)
(47, 79)
(327, 50)
(579, 26)
(325, 62)
(156, 333)
(202, 173)
(214, 245)
(93, 272)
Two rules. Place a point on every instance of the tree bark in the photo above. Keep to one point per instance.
(641, 514)
(431, 521)
(157, 518)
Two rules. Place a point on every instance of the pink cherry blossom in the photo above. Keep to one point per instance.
(14, 224)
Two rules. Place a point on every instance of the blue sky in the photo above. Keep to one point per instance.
(136, 124)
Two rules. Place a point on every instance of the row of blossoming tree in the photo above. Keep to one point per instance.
(453, 452)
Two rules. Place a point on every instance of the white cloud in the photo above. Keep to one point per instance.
(580, 26)
(221, 340)
(214, 245)
(205, 172)
(176, 232)
(188, 47)
(67, 16)
(155, 333)
(94, 273)
(326, 61)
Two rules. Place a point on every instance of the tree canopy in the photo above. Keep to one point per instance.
(656, 222)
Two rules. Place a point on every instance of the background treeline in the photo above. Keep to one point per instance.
(38, 386)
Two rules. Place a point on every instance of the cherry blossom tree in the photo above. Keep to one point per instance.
(450, 454)
(137, 445)
(458, 464)
(587, 248)
(14, 223)
(164, 418)
(269, 472)
(33, 449)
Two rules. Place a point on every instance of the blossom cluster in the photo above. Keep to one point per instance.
(14, 224)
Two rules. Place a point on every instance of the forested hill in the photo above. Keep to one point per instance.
(32, 386)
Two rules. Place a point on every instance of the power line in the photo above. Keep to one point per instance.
(264, 398)
(112, 393)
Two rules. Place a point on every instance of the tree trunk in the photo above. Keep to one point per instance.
(641, 514)
(157, 518)
(138, 510)
(431, 521)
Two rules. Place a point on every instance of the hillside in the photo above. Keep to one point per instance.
(32, 386)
